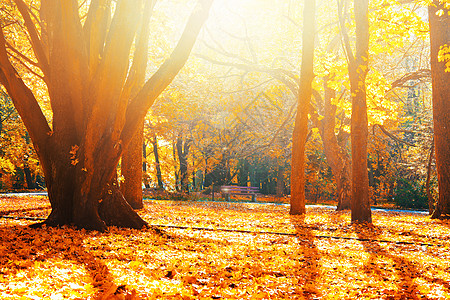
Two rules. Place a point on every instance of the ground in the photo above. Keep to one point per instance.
(225, 251)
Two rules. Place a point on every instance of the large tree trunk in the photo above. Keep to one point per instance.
(131, 170)
(440, 36)
(360, 204)
(114, 200)
(85, 66)
(301, 121)
(357, 69)
(71, 198)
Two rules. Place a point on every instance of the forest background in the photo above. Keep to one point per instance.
(228, 116)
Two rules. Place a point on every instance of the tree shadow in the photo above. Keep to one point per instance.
(23, 247)
(387, 266)
(308, 260)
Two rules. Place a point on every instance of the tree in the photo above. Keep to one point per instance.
(154, 141)
(131, 167)
(84, 64)
(357, 69)
(183, 146)
(301, 121)
(439, 18)
(18, 162)
(336, 156)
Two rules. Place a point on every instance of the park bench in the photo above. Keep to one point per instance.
(228, 190)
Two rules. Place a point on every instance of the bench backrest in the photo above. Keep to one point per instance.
(238, 189)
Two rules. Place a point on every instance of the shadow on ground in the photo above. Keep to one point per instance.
(23, 247)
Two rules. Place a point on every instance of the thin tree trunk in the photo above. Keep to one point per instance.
(183, 152)
(427, 186)
(132, 156)
(336, 158)
(144, 166)
(154, 142)
(301, 121)
(28, 178)
(177, 171)
(280, 181)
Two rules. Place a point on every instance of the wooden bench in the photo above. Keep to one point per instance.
(228, 190)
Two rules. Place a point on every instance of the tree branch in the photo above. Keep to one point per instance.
(136, 75)
(283, 76)
(417, 75)
(25, 102)
(35, 40)
(15, 57)
(393, 137)
(345, 39)
(95, 29)
(28, 60)
(139, 106)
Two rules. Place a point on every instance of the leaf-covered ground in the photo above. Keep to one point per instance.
(244, 251)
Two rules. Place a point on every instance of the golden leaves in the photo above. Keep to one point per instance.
(62, 263)
(73, 155)
(444, 56)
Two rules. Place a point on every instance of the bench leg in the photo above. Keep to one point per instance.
(253, 198)
(227, 197)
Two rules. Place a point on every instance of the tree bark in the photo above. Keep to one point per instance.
(131, 170)
(183, 152)
(440, 36)
(115, 200)
(145, 178)
(427, 185)
(336, 157)
(28, 177)
(357, 69)
(132, 156)
(300, 133)
(360, 205)
(154, 142)
(280, 181)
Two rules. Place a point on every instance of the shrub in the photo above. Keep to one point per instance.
(410, 194)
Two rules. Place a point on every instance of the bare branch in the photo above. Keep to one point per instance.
(16, 58)
(35, 40)
(28, 60)
(284, 76)
(417, 75)
(24, 101)
(345, 39)
(393, 137)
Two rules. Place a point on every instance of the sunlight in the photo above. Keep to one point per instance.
(238, 149)
(236, 16)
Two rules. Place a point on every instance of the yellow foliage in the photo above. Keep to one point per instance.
(265, 254)
(444, 56)
(6, 166)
